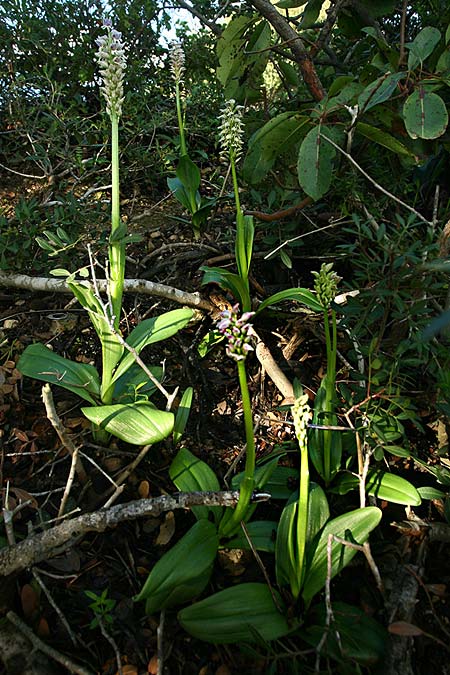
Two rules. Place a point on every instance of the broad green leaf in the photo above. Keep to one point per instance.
(191, 474)
(138, 423)
(311, 13)
(189, 174)
(425, 114)
(228, 281)
(290, 4)
(302, 295)
(355, 527)
(384, 139)
(286, 567)
(379, 91)
(447, 35)
(318, 511)
(41, 363)
(150, 331)
(243, 613)
(183, 572)
(361, 638)
(381, 484)
(315, 162)
(182, 416)
(282, 483)
(261, 477)
(262, 534)
(422, 46)
(427, 492)
(179, 192)
(277, 137)
(112, 350)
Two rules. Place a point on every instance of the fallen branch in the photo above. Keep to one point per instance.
(52, 542)
(46, 285)
(279, 215)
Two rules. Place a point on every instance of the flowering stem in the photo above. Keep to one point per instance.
(183, 148)
(117, 246)
(248, 482)
(302, 515)
(240, 248)
(331, 343)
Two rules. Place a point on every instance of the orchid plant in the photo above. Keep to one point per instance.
(185, 185)
(119, 397)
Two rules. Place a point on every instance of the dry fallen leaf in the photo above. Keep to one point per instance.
(405, 629)
(144, 489)
(152, 667)
(30, 601)
(167, 530)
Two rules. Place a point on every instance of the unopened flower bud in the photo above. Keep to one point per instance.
(112, 62)
(301, 414)
(177, 61)
(325, 284)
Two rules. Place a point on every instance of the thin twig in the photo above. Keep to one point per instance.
(112, 642)
(374, 182)
(46, 649)
(64, 437)
(261, 567)
(49, 596)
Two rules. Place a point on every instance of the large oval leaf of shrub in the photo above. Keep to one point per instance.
(315, 162)
(244, 613)
(425, 114)
(137, 423)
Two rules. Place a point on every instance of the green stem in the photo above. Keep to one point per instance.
(248, 482)
(302, 516)
(240, 248)
(117, 245)
(183, 149)
(331, 345)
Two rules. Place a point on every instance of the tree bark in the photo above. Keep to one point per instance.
(296, 45)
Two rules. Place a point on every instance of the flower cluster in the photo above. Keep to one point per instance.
(301, 414)
(326, 284)
(112, 62)
(237, 332)
(231, 130)
(177, 61)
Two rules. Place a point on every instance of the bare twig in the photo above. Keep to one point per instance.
(160, 639)
(67, 442)
(374, 182)
(46, 649)
(213, 27)
(49, 596)
(112, 642)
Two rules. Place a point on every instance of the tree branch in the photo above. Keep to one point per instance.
(296, 45)
(51, 542)
(209, 24)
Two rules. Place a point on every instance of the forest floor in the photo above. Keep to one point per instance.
(51, 599)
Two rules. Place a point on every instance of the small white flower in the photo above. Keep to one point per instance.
(177, 61)
(237, 331)
(112, 62)
(231, 130)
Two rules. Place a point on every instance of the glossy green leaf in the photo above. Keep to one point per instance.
(243, 613)
(355, 527)
(138, 423)
(262, 534)
(422, 46)
(179, 192)
(228, 281)
(311, 13)
(387, 486)
(384, 139)
(191, 474)
(315, 162)
(182, 415)
(277, 137)
(290, 4)
(379, 91)
(184, 571)
(189, 174)
(427, 492)
(318, 511)
(41, 363)
(150, 331)
(302, 295)
(286, 567)
(282, 483)
(361, 638)
(425, 114)
(112, 350)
